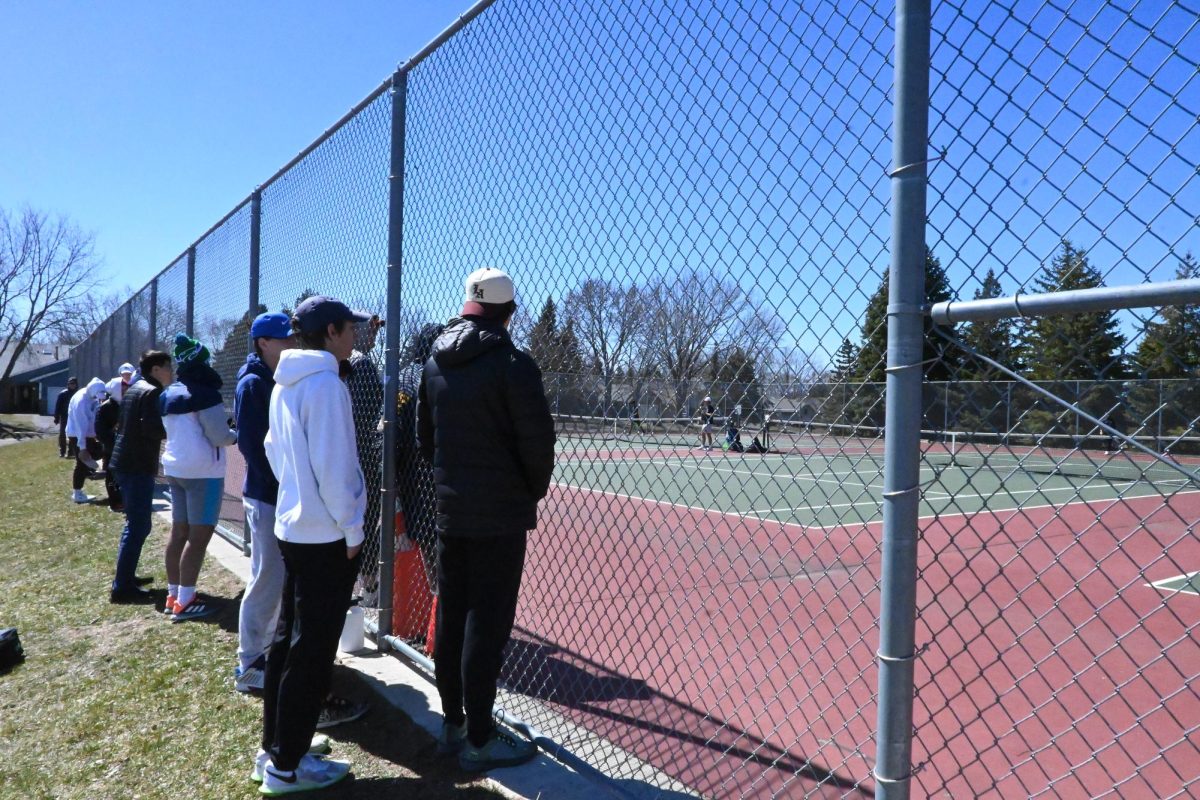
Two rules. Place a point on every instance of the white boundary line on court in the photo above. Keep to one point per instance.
(1187, 576)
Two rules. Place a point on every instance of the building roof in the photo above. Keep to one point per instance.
(41, 373)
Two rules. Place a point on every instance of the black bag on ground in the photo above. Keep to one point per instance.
(11, 653)
(756, 447)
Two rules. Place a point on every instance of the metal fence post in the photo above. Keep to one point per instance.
(128, 330)
(901, 472)
(153, 323)
(391, 367)
(191, 291)
(255, 250)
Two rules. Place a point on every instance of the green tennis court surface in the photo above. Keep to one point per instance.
(826, 491)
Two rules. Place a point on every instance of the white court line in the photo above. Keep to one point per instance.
(1187, 577)
(835, 475)
(976, 496)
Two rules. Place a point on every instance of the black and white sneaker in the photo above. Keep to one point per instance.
(339, 710)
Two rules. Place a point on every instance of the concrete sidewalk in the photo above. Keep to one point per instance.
(411, 693)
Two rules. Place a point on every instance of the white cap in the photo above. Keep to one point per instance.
(487, 285)
(126, 369)
(707, 399)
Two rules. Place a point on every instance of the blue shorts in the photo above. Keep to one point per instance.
(196, 501)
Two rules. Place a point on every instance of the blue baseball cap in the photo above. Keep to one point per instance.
(272, 325)
(319, 311)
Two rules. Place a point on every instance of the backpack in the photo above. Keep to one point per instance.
(11, 652)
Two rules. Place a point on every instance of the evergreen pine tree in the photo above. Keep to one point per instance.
(543, 338)
(1072, 346)
(845, 361)
(992, 338)
(1171, 348)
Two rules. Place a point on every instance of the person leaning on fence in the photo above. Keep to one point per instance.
(134, 459)
(318, 522)
(259, 613)
(366, 403)
(81, 426)
(484, 424)
(66, 447)
(414, 474)
(107, 417)
(194, 463)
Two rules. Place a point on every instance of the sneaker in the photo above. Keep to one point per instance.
(338, 710)
(451, 739)
(79, 496)
(169, 605)
(193, 610)
(251, 678)
(313, 772)
(320, 746)
(133, 595)
(501, 750)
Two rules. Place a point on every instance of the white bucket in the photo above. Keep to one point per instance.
(352, 631)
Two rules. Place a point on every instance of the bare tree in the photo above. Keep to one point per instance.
(690, 316)
(80, 318)
(609, 320)
(47, 267)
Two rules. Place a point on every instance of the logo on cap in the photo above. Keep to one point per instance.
(476, 291)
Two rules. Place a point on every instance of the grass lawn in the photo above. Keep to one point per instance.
(115, 702)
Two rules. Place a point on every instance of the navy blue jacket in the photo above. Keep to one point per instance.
(250, 408)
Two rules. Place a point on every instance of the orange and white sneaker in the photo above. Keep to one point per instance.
(193, 610)
(169, 606)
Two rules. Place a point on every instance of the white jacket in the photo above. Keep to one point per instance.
(310, 445)
(81, 411)
(196, 440)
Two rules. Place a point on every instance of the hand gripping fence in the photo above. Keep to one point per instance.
(871, 337)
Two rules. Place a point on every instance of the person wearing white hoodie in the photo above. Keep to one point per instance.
(81, 426)
(193, 460)
(319, 524)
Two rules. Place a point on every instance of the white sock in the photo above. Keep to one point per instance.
(186, 593)
(173, 590)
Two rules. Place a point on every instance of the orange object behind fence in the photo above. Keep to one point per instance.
(411, 597)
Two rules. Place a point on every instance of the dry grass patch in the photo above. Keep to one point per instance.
(115, 702)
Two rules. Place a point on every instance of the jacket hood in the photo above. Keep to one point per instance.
(296, 365)
(95, 389)
(466, 339)
(255, 366)
(195, 373)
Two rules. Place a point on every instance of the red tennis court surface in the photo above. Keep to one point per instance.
(737, 655)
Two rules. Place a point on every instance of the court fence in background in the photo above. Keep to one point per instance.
(966, 563)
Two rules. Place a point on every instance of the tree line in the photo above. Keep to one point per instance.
(1059, 350)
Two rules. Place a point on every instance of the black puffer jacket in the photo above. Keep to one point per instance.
(140, 431)
(483, 420)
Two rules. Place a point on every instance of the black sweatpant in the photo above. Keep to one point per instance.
(478, 583)
(318, 580)
(82, 471)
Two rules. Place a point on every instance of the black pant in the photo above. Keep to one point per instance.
(62, 440)
(72, 442)
(82, 471)
(478, 583)
(318, 579)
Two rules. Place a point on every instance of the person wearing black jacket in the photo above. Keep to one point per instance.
(134, 459)
(484, 423)
(66, 449)
(414, 474)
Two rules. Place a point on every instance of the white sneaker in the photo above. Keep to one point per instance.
(320, 745)
(79, 497)
(250, 679)
(313, 772)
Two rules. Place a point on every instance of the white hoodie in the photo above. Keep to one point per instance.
(81, 411)
(310, 445)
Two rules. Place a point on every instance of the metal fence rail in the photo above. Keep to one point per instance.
(966, 563)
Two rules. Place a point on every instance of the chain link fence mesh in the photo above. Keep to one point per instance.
(693, 201)
(324, 231)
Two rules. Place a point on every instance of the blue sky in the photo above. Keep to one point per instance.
(633, 141)
(146, 122)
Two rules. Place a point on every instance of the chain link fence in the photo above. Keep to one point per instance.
(694, 201)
